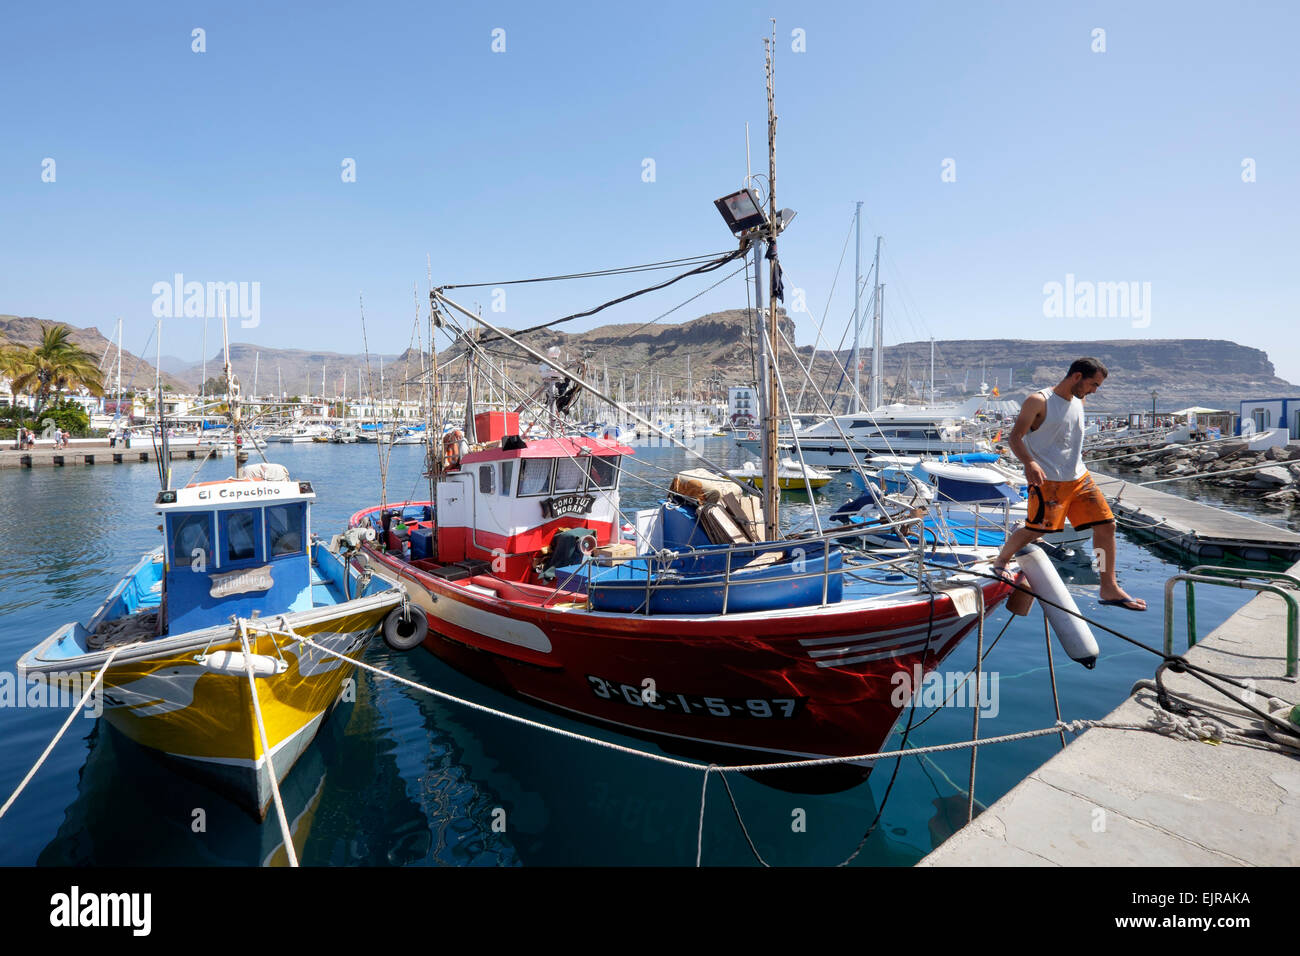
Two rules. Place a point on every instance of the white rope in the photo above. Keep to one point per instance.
(699, 838)
(266, 748)
(1075, 726)
(62, 730)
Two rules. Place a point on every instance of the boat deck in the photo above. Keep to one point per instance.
(1195, 529)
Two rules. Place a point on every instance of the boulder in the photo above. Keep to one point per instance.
(1206, 457)
(1285, 495)
(1273, 475)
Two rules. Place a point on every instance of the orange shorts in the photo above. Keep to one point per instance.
(1080, 500)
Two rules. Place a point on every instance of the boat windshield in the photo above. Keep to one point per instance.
(604, 471)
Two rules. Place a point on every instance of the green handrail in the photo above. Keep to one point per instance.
(1237, 578)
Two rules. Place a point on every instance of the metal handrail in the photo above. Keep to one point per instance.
(1234, 578)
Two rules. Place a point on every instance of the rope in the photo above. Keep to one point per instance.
(266, 748)
(1072, 726)
(1051, 670)
(62, 730)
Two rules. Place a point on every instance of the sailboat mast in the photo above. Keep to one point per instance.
(232, 399)
(877, 338)
(857, 312)
(932, 370)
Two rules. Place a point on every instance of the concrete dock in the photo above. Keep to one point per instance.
(1195, 529)
(1130, 798)
(97, 453)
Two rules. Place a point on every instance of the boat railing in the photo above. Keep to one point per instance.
(658, 565)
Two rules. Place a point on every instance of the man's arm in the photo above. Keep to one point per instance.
(1031, 414)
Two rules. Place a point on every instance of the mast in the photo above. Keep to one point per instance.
(857, 314)
(771, 490)
(877, 338)
(232, 399)
(118, 413)
(257, 360)
(203, 387)
(932, 370)
(433, 437)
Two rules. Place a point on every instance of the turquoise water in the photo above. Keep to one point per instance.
(398, 778)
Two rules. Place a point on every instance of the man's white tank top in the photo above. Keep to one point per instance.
(1057, 444)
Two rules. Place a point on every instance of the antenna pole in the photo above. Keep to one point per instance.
(771, 487)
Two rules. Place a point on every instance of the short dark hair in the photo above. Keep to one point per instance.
(1087, 367)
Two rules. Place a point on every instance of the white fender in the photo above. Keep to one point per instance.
(1073, 633)
(232, 663)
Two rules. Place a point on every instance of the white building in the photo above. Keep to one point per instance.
(742, 405)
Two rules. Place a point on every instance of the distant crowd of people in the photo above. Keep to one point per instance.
(27, 439)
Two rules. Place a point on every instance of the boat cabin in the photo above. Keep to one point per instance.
(505, 504)
(235, 546)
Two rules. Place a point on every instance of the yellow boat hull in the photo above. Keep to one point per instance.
(177, 706)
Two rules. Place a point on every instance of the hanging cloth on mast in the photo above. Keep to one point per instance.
(778, 281)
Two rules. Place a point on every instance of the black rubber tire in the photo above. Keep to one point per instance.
(405, 628)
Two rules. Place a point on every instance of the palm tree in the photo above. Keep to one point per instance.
(54, 365)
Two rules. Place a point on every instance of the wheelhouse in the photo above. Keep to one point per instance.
(234, 546)
(505, 504)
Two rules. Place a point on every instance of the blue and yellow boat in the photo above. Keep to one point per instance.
(238, 579)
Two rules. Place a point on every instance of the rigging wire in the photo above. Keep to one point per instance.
(707, 267)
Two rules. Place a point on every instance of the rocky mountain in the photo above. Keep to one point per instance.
(1182, 372)
(137, 372)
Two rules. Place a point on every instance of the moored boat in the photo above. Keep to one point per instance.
(176, 683)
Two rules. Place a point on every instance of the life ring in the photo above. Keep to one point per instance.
(451, 448)
(751, 435)
(405, 628)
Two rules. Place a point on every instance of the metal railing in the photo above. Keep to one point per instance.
(660, 575)
(1287, 590)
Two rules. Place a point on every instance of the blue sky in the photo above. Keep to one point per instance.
(1115, 166)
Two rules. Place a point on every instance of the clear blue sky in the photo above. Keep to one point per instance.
(225, 166)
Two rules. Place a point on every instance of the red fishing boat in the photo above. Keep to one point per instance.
(781, 649)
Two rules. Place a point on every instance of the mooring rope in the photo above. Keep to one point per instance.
(62, 730)
(266, 747)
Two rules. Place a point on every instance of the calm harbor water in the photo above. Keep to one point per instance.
(399, 778)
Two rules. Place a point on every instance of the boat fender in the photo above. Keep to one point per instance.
(1072, 632)
(405, 628)
(232, 663)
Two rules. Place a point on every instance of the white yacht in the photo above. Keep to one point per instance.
(889, 430)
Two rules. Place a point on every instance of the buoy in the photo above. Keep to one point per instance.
(232, 663)
(1073, 633)
(405, 628)
(587, 544)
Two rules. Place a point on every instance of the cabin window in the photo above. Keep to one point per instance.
(485, 483)
(535, 477)
(191, 537)
(507, 473)
(569, 475)
(285, 529)
(240, 531)
(604, 471)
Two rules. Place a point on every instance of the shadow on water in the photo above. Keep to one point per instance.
(346, 800)
(569, 802)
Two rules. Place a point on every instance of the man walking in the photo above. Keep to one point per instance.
(1048, 440)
